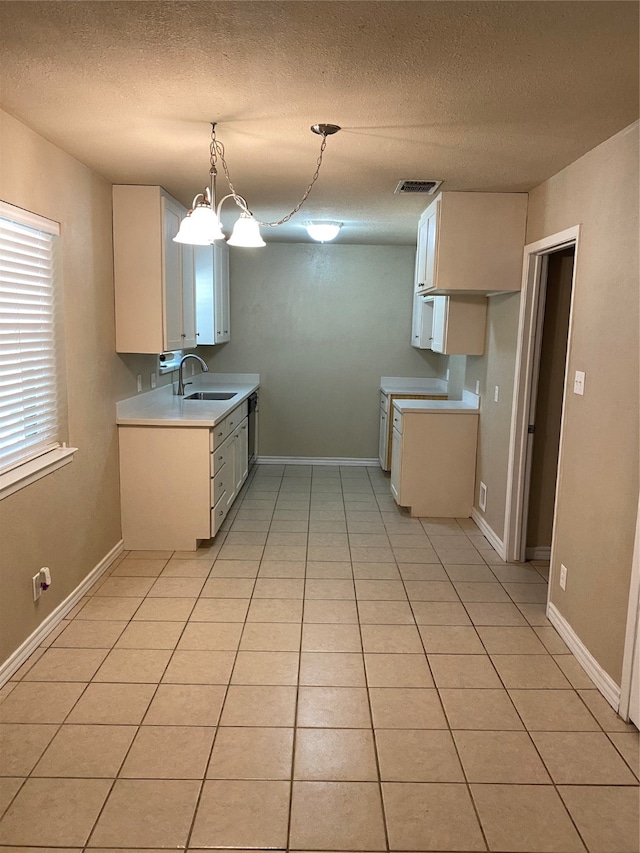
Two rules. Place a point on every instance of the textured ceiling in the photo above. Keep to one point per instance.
(482, 95)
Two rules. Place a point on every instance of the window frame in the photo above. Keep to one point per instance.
(49, 459)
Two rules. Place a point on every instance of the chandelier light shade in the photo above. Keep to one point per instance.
(201, 225)
(323, 232)
(246, 232)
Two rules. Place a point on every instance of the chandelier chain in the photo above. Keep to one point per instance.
(216, 149)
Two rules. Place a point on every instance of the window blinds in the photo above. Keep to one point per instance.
(29, 386)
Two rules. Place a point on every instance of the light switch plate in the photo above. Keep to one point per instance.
(578, 382)
(496, 394)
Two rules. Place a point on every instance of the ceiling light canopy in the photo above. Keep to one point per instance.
(323, 232)
(201, 226)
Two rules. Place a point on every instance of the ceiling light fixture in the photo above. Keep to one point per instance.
(323, 232)
(201, 226)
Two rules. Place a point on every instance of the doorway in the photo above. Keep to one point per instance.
(540, 388)
(545, 408)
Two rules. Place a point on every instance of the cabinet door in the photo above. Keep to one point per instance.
(421, 253)
(383, 443)
(222, 313)
(439, 330)
(241, 437)
(396, 465)
(188, 290)
(205, 301)
(422, 329)
(229, 448)
(172, 276)
(427, 253)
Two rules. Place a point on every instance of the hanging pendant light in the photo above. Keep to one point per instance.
(201, 226)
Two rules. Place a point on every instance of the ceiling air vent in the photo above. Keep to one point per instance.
(428, 187)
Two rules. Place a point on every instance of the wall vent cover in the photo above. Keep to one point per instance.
(428, 187)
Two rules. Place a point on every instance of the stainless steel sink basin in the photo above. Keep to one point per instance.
(211, 395)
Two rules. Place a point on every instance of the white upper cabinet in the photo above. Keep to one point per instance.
(422, 326)
(471, 242)
(451, 325)
(459, 324)
(212, 293)
(154, 277)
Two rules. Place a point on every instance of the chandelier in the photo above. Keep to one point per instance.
(201, 226)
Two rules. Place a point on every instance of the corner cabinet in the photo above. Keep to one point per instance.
(154, 276)
(212, 293)
(471, 242)
(177, 484)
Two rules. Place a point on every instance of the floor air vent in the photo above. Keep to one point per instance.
(425, 187)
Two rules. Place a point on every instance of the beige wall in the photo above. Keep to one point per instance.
(321, 324)
(68, 520)
(598, 495)
(495, 367)
(598, 489)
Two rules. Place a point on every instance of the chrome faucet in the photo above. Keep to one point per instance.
(181, 382)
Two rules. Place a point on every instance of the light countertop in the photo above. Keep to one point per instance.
(162, 407)
(469, 405)
(412, 385)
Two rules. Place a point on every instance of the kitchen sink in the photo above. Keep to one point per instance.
(211, 395)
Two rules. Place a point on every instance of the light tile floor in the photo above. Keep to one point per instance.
(329, 674)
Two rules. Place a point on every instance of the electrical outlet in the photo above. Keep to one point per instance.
(45, 578)
(35, 583)
(563, 577)
(477, 386)
(154, 380)
(446, 376)
(139, 383)
(578, 382)
(496, 394)
(482, 498)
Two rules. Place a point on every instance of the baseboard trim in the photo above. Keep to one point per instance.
(602, 680)
(318, 460)
(539, 552)
(489, 533)
(15, 660)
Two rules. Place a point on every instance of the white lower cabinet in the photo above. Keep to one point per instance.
(178, 483)
(386, 421)
(433, 462)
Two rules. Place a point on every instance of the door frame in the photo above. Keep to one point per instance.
(526, 379)
(631, 657)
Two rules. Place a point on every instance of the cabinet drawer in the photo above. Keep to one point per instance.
(217, 460)
(236, 417)
(397, 421)
(217, 435)
(384, 401)
(218, 485)
(218, 514)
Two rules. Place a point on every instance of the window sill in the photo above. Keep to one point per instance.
(34, 470)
